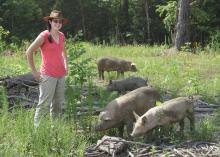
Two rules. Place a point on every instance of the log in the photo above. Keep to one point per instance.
(25, 80)
(204, 109)
(202, 104)
(111, 147)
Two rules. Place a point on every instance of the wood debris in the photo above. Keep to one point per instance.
(108, 145)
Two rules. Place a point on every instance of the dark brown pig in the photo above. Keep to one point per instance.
(127, 84)
(114, 64)
(119, 112)
(171, 111)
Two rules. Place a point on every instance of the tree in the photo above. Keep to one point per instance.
(182, 34)
(124, 21)
(21, 18)
(82, 12)
(116, 21)
(146, 7)
(169, 13)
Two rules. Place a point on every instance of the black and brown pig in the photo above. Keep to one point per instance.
(119, 112)
(127, 84)
(174, 110)
(114, 64)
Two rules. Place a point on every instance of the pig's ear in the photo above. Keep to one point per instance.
(110, 81)
(144, 120)
(106, 116)
(133, 64)
(135, 115)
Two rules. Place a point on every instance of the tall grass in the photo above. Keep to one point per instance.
(19, 137)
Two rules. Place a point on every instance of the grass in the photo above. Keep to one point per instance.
(20, 136)
(180, 74)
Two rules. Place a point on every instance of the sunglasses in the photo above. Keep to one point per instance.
(57, 21)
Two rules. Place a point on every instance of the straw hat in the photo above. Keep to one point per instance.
(55, 14)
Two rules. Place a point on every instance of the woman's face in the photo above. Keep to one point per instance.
(56, 24)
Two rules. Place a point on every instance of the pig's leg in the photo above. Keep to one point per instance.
(121, 131)
(166, 130)
(118, 74)
(191, 118)
(102, 72)
(129, 127)
(181, 123)
(122, 74)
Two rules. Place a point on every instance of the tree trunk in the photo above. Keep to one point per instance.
(83, 19)
(124, 21)
(146, 8)
(117, 7)
(173, 34)
(182, 34)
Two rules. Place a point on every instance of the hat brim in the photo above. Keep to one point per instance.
(47, 18)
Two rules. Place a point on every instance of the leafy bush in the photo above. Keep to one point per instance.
(3, 33)
(214, 44)
(80, 70)
(169, 11)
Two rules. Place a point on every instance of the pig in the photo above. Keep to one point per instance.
(127, 84)
(119, 112)
(174, 110)
(114, 64)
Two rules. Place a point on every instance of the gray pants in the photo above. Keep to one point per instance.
(51, 97)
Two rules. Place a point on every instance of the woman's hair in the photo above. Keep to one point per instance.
(49, 28)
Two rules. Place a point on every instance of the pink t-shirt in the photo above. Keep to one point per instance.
(52, 56)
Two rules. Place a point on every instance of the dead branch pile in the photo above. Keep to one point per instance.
(21, 90)
(117, 147)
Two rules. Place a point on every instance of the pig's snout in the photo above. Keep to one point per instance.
(133, 134)
(136, 134)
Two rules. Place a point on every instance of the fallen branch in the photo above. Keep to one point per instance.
(130, 142)
(22, 98)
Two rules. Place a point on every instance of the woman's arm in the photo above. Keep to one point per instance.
(30, 53)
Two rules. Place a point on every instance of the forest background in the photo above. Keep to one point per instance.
(112, 21)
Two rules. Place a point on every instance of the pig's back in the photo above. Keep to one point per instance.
(139, 100)
(179, 104)
(108, 63)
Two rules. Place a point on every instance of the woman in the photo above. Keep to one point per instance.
(53, 69)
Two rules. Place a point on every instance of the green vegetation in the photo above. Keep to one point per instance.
(111, 21)
(181, 73)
